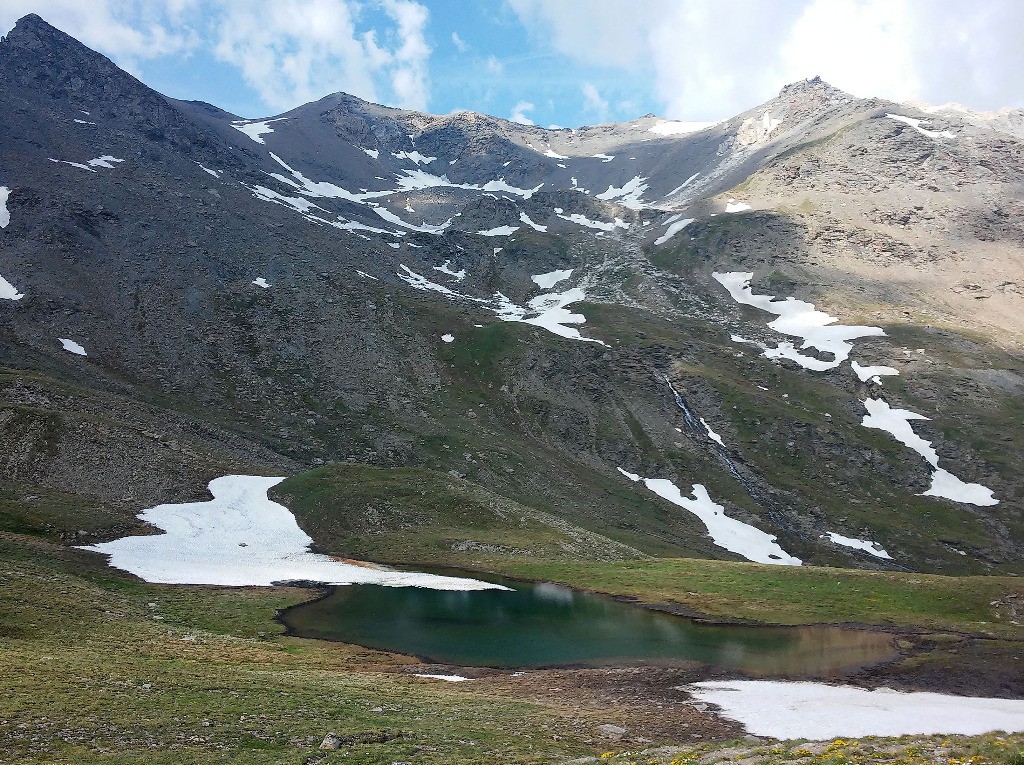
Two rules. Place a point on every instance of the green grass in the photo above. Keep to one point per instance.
(790, 595)
(413, 515)
(101, 668)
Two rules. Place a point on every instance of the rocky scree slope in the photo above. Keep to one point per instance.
(527, 310)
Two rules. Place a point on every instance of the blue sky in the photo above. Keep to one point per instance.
(552, 62)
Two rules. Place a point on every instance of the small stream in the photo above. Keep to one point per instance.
(537, 625)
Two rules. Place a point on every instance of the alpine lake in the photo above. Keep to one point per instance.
(547, 625)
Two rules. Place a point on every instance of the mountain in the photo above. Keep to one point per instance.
(515, 323)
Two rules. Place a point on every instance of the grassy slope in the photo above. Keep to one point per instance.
(424, 514)
(787, 595)
(101, 668)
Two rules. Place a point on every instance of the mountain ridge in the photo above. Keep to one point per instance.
(359, 220)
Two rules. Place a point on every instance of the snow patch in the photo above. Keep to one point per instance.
(255, 129)
(712, 434)
(550, 279)
(798, 319)
(499, 231)
(366, 275)
(299, 204)
(241, 538)
(872, 548)
(426, 228)
(72, 347)
(5, 214)
(535, 226)
(603, 157)
(448, 678)
(674, 228)
(583, 220)
(414, 156)
(261, 282)
(873, 373)
(448, 338)
(916, 124)
(896, 422)
(421, 282)
(554, 154)
(8, 291)
(786, 710)
(444, 268)
(104, 161)
(552, 314)
(500, 185)
(205, 169)
(370, 152)
(728, 533)
(629, 194)
(732, 206)
(682, 186)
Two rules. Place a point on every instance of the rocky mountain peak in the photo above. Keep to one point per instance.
(52, 62)
(813, 88)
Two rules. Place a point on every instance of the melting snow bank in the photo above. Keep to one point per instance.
(728, 533)
(818, 711)
(872, 548)
(242, 538)
(798, 319)
(881, 416)
(5, 214)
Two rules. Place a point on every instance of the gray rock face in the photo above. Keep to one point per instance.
(140, 227)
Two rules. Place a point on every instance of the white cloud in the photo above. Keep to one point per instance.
(593, 102)
(519, 113)
(459, 43)
(288, 51)
(409, 75)
(703, 68)
(494, 66)
(126, 31)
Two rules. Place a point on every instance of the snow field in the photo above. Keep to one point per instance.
(242, 538)
(786, 710)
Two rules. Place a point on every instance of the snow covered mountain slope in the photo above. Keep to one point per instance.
(810, 313)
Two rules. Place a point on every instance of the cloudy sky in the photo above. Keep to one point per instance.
(552, 62)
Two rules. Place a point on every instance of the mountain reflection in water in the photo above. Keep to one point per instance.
(549, 625)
